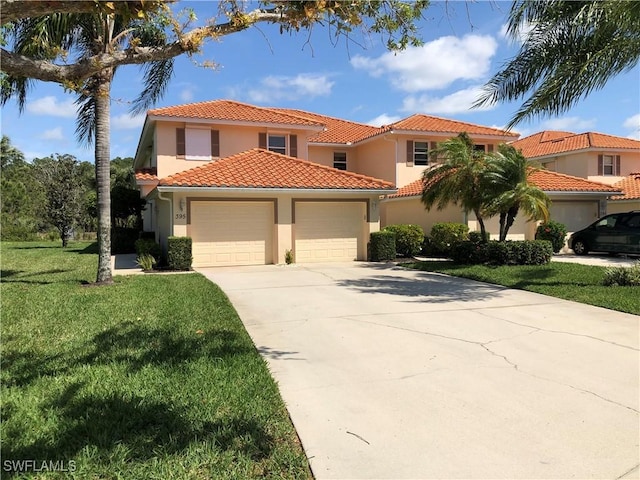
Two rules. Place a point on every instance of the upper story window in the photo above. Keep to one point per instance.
(340, 160)
(479, 147)
(420, 153)
(197, 143)
(609, 165)
(279, 143)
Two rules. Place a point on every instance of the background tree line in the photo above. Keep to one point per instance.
(55, 196)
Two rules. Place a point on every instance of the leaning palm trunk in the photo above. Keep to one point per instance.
(103, 175)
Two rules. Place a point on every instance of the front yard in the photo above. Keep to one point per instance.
(580, 283)
(153, 377)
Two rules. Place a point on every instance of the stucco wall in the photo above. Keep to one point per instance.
(411, 210)
(585, 165)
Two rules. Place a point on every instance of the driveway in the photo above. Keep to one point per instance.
(390, 373)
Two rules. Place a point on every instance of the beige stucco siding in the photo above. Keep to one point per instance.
(410, 210)
(377, 159)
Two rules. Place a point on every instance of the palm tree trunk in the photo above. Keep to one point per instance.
(511, 218)
(483, 230)
(103, 175)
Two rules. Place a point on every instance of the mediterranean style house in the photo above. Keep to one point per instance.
(252, 185)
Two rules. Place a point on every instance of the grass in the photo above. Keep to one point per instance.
(153, 377)
(580, 283)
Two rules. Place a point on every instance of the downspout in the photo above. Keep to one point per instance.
(164, 244)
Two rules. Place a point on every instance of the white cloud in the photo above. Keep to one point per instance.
(53, 134)
(435, 64)
(457, 102)
(50, 105)
(524, 29)
(126, 121)
(304, 85)
(383, 119)
(569, 124)
(187, 93)
(633, 124)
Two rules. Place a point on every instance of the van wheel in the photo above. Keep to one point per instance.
(580, 248)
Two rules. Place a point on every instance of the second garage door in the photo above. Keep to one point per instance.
(232, 233)
(574, 215)
(328, 231)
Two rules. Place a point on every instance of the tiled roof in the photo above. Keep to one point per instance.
(550, 142)
(146, 175)
(428, 123)
(337, 130)
(259, 168)
(544, 179)
(630, 186)
(233, 111)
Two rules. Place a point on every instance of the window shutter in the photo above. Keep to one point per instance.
(617, 167)
(600, 165)
(432, 156)
(409, 153)
(262, 140)
(215, 143)
(180, 143)
(293, 145)
(490, 148)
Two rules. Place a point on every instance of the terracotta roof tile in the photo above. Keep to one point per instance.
(544, 179)
(630, 186)
(146, 175)
(550, 142)
(233, 111)
(428, 123)
(259, 168)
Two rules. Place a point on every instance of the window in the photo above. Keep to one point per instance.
(608, 165)
(479, 148)
(197, 143)
(420, 150)
(277, 143)
(340, 160)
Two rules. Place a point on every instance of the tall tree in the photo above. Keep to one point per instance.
(460, 178)
(107, 35)
(61, 181)
(511, 192)
(570, 49)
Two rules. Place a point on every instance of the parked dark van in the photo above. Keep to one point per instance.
(615, 233)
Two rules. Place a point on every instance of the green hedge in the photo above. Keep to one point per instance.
(179, 254)
(409, 239)
(146, 246)
(382, 246)
(444, 236)
(525, 252)
(555, 232)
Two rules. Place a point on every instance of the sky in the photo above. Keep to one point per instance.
(464, 44)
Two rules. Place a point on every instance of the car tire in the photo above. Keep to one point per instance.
(580, 248)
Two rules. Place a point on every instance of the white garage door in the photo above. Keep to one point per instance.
(328, 231)
(575, 215)
(231, 233)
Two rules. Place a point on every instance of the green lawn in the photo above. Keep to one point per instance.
(580, 283)
(153, 377)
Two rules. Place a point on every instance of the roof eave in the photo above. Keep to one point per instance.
(243, 123)
(352, 191)
(483, 136)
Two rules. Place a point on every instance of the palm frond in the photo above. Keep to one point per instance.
(157, 76)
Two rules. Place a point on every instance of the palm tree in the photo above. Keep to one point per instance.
(88, 35)
(459, 179)
(511, 191)
(572, 49)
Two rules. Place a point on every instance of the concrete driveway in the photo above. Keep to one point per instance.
(390, 373)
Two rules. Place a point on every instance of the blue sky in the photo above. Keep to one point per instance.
(464, 46)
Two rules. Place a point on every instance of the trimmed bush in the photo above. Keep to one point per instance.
(555, 232)
(179, 255)
(382, 246)
(525, 252)
(146, 246)
(409, 239)
(445, 235)
(476, 237)
(622, 276)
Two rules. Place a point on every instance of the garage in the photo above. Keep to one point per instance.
(329, 231)
(575, 215)
(232, 233)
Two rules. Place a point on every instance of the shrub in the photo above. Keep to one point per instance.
(146, 246)
(409, 239)
(476, 237)
(382, 246)
(526, 252)
(179, 256)
(146, 261)
(622, 276)
(123, 240)
(555, 232)
(288, 257)
(445, 235)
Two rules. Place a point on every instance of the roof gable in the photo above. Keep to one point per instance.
(259, 168)
(551, 142)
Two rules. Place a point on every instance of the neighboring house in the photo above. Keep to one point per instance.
(575, 201)
(249, 183)
(594, 156)
(630, 199)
